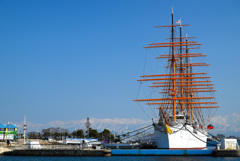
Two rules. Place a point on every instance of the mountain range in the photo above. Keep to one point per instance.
(227, 125)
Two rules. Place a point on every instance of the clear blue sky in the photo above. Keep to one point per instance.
(68, 60)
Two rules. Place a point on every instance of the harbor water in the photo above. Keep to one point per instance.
(120, 158)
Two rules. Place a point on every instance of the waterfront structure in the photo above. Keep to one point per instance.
(8, 132)
(183, 97)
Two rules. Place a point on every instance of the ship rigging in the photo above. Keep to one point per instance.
(182, 95)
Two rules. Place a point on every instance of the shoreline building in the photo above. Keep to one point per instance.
(8, 132)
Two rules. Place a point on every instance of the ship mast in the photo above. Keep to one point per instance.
(181, 67)
(173, 73)
(187, 79)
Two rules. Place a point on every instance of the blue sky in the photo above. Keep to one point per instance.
(68, 60)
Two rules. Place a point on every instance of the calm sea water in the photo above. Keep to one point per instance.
(120, 158)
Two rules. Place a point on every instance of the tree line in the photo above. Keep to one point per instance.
(59, 133)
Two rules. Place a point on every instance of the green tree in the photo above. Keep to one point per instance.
(93, 133)
(106, 135)
(34, 135)
(54, 132)
(78, 133)
(56, 135)
(106, 132)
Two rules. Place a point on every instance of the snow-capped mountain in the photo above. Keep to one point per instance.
(117, 124)
(228, 125)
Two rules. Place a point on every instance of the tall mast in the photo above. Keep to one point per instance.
(191, 94)
(187, 72)
(181, 67)
(173, 72)
(172, 34)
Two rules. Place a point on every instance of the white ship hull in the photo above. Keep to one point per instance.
(181, 138)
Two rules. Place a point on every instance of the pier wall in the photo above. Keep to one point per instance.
(3, 150)
(59, 153)
(226, 153)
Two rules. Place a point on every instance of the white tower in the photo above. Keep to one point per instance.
(24, 128)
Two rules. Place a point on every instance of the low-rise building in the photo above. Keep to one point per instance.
(8, 132)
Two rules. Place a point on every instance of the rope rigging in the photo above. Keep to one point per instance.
(137, 133)
(135, 130)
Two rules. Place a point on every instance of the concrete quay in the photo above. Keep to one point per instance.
(226, 153)
(121, 152)
(3, 150)
(58, 152)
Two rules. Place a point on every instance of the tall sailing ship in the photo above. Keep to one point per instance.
(183, 95)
